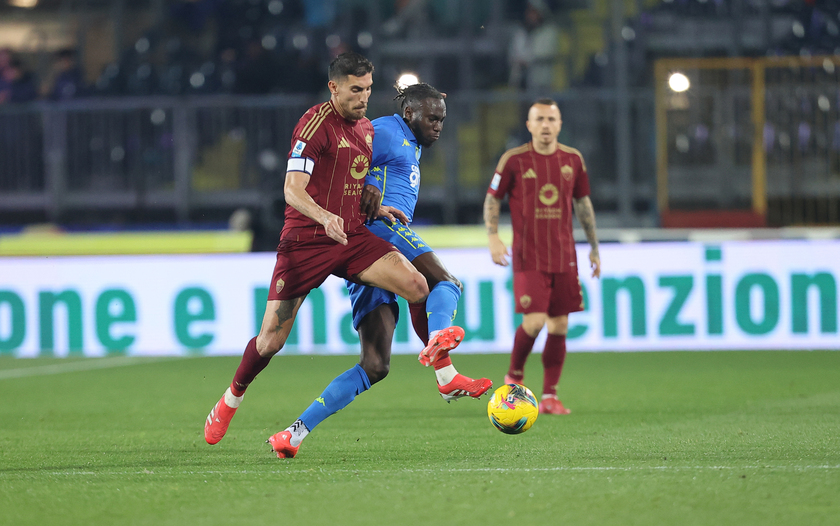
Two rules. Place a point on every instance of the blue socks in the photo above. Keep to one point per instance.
(341, 391)
(442, 304)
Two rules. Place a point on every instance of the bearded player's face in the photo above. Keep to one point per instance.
(351, 95)
(544, 123)
(427, 122)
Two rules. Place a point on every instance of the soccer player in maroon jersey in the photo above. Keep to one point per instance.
(323, 234)
(543, 180)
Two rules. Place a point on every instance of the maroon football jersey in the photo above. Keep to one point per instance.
(541, 189)
(336, 153)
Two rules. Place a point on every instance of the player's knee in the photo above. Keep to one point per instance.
(558, 325)
(416, 289)
(533, 324)
(455, 281)
(376, 371)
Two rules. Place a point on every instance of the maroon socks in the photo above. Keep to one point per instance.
(251, 365)
(553, 357)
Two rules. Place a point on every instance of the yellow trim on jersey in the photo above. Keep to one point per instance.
(384, 180)
(313, 125)
(510, 153)
(573, 151)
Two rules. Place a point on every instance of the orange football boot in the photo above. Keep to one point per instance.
(282, 445)
(553, 406)
(461, 386)
(218, 421)
(441, 343)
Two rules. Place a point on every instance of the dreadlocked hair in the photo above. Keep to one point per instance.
(410, 95)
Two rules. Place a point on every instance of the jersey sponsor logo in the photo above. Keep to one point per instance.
(359, 168)
(494, 184)
(279, 285)
(343, 143)
(298, 149)
(369, 138)
(353, 189)
(525, 301)
(549, 194)
(548, 213)
(529, 174)
(567, 172)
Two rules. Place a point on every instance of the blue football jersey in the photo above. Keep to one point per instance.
(395, 167)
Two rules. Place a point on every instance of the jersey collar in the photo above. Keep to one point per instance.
(408, 133)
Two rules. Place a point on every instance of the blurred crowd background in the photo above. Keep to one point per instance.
(118, 114)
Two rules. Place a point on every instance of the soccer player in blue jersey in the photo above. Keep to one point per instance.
(398, 143)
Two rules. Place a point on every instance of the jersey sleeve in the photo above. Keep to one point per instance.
(503, 178)
(581, 188)
(309, 142)
(382, 137)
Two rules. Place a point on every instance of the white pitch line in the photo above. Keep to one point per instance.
(403, 471)
(88, 364)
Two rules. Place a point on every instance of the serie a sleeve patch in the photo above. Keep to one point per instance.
(494, 184)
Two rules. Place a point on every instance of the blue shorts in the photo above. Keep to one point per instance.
(366, 298)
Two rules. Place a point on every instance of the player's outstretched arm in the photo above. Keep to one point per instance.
(498, 250)
(298, 198)
(586, 216)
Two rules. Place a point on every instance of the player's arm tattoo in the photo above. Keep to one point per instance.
(492, 206)
(586, 216)
(285, 312)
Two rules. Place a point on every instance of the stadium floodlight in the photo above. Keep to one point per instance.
(407, 79)
(678, 82)
(27, 4)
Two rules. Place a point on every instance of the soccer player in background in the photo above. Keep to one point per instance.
(398, 143)
(324, 233)
(543, 180)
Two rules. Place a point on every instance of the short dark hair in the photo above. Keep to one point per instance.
(409, 95)
(546, 102)
(350, 63)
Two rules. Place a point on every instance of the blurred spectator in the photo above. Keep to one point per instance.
(195, 22)
(533, 49)
(194, 14)
(69, 82)
(21, 84)
(320, 13)
(257, 72)
(5, 59)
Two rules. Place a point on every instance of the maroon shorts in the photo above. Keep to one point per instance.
(556, 294)
(303, 265)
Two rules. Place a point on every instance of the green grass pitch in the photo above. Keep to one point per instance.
(688, 438)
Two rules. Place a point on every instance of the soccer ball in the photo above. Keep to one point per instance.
(513, 409)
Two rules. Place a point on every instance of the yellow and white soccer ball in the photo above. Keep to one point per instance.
(513, 409)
